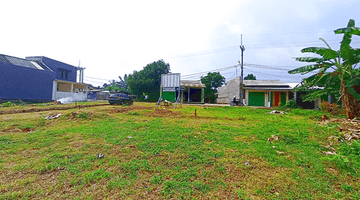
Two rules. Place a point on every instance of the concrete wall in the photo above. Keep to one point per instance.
(25, 83)
(73, 96)
(227, 92)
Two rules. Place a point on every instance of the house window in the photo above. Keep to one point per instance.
(64, 74)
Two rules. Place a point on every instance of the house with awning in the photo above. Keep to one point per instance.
(191, 91)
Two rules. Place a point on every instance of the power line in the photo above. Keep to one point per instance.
(249, 46)
(97, 78)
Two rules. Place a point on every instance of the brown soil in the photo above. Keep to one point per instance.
(163, 113)
(39, 109)
(125, 109)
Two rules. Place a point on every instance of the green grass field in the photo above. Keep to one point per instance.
(222, 153)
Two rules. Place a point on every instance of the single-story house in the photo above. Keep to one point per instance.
(191, 91)
(266, 93)
(38, 78)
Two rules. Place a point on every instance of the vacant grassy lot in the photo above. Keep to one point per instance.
(222, 153)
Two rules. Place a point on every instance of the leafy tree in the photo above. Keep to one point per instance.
(250, 77)
(123, 84)
(212, 81)
(337, 69)
(113, 88)
(148, 80)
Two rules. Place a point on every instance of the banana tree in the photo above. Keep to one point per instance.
(337, 69)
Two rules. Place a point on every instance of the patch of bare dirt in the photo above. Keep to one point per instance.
(126, 109)
(163, 113)
(41, 109)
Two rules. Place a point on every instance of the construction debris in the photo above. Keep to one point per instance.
(349, 129)
(53, 117)
(328, 153)
(100, 155)
(273, 137)
(277, 112)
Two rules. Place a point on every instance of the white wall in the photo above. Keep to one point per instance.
(73, 96)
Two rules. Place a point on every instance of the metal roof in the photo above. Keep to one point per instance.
(191, 83)
(270, 88)
(265, 83)
(22, 62)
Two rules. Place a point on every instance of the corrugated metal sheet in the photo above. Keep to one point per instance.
(20, 62)
(170, 80)
(191, 83)
(269, 88)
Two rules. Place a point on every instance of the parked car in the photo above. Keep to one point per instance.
(120, 99)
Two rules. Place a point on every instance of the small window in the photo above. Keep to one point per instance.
(62, 74)
(66, 75)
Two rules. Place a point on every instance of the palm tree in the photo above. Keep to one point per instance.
(343, 74)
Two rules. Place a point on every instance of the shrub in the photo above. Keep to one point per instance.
(8, 104)
(330, 108)
(291, 104)
(83, 115)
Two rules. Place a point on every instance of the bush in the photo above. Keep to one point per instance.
(291, 104)
(83, 115)
(329, 108)
(7, 104)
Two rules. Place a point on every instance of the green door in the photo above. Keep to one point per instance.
(256, 98)
(283, 98)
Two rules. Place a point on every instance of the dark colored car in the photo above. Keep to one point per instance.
(120, 99)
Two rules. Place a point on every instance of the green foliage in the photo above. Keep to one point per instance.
(8, 104)
(113, 88)
(148, 79)
(212, 81)
(125, 87)
(83, 115)
(348, 158)
(250, 77)
(291, 104)
(344, 75)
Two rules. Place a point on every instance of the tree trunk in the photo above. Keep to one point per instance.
(352, 105)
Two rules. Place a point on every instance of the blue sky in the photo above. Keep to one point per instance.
(113, 38)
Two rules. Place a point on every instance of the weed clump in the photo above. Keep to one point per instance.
(83, 115)
(331, 108)
(7, 104)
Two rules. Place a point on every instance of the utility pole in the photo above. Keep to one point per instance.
(81, 73)
(242, 48)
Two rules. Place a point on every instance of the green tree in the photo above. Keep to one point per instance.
(148, 80)
(124, 84)
(337, 69)
(212, 81)
(112, 88)
(250, 77)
